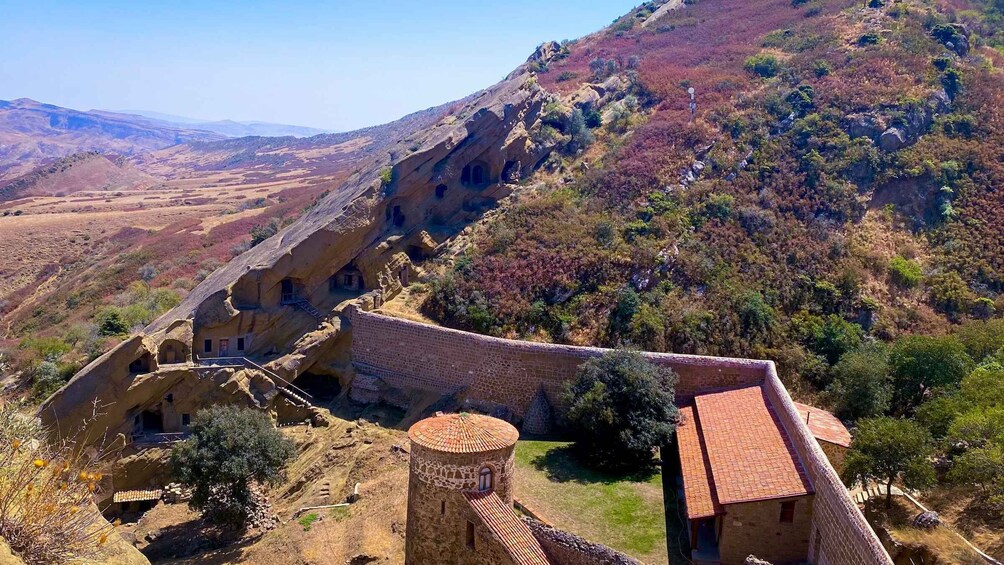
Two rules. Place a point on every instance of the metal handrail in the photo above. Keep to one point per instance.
(210, 362)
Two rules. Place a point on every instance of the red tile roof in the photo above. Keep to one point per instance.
(698, 491)
(512, 532)
(824, 426)
(750, 454)
(463, 433)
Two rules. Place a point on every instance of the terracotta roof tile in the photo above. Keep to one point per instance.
(463, 433)
(750, 454)
(136, 495)
(824, 426)
(698, 490)
(506, 526)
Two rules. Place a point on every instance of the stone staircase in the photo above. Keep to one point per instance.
(307, 307)
(873, 490)
(295, 398)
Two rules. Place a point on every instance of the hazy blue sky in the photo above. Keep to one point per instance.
(340, 65)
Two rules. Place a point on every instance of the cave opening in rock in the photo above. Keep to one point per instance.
(290, 289)
(324, 388)
(172, 351)
(441, 191)
(475, 174)
(140, 364)
(152, 421)
(398, 216)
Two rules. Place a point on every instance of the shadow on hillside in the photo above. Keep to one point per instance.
(196, 542)
(563, 464)
(385, 415)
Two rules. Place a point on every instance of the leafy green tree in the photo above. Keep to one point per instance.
(981, 338)
(979, 427)
(230, 450)
(921, 364)
(830, 337)
(984, 386)
(861, 386)
(938, 414)
(889, 449)
(621, 407)
(981, 467)
(111, 323)
(756, 316)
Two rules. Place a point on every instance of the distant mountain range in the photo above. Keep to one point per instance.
(229, 128)
(32, 133)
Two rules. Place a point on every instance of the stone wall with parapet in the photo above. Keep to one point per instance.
(563, 548)
(412, 355)
(840, 534)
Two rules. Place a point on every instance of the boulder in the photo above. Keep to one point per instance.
(866, 124)
(892, 139)
(927, 520)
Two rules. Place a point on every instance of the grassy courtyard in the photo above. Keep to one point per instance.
(625, 513)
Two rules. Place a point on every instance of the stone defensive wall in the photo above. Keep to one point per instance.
(412, 355)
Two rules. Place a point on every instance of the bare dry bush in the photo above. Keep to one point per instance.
(46, 510)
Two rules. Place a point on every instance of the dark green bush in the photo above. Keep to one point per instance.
(621, 407)
(230, 450)
(764, 65)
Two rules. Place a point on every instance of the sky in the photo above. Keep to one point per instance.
(336, 65)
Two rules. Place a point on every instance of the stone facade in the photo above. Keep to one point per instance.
(438, 513)
(755, 528)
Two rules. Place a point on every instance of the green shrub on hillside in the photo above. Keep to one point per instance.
(861, 386)
(110, 323)
(922, 364)
(905, 272)
(763, 64)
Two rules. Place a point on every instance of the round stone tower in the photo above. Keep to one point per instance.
(452, 454)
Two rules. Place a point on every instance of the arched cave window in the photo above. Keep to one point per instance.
(485, 479)
(478, 174)
(441, 191)
(465, 175)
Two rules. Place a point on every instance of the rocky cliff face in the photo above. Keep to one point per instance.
(278, 302)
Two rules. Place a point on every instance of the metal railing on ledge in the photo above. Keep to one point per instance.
(244, 362)
(159, 438)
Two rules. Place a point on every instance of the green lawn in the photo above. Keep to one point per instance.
(626, 514)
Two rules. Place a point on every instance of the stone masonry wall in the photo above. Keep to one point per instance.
(756, 528)
(412, 355)
(840, 534)
(563, 548)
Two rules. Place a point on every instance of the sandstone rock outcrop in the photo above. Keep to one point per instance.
(279, 302)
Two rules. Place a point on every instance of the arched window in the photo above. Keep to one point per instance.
(477, 175)
(485, 479)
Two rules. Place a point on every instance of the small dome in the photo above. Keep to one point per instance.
(463, 433)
